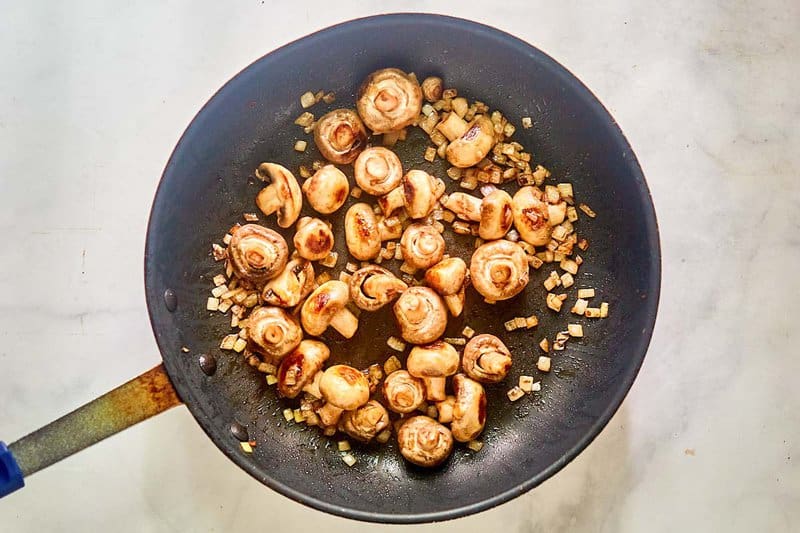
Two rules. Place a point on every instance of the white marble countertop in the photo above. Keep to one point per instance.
(94, 95)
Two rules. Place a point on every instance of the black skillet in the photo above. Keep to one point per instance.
(208, 184)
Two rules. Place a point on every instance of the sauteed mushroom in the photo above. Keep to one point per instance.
(486, 359)
(433, 363)
(340, 136)
(531, 216)
(378, 170)
(389, 100)
(421, 192)
(473, 145)
(448, 277)
(499, 270)
(272, 332)
(422, 245)
(282, 195)
(257, 253)
(424, 442)
(327, 189)
(465, 206)
(291, 285)
(496, 215)
(326, 306)
(361, 232)
(343, 388)
(313, 239)
(372, 287)
(403, 392)
(364, 422)
(469, 411)
(298, 369)
(421, 315)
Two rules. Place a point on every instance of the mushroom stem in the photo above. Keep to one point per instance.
(392, 201)
(434, 389)
(390, 231)
(267, 200)
(453, 127)
(345, 323)
(455, 302)
(329, 414)
(445, 409)
(312, 387)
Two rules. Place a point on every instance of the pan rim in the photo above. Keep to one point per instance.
(637, 354)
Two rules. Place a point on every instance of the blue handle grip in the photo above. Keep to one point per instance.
(10, 474)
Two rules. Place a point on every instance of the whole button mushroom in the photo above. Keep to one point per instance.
(340, 136)
(272, 332)
(257, 253)
(291, 285)
(361, 232)
(499, 270)
(469, 410)
(403, 392)
(424, 442)
(486, 359)
(473, 145)
(343, 388)
(389, 100)
(313, 239)
(422, 245)
(421, 315)
(327, 189)
(465, 206)
(421, 191)
(281, 196)
(372, 287)
(326, 306)
(448, 277)
(531, 216)
(496, 215)
(433, 363)
(298, 369)
(378, 170)
(364, 422)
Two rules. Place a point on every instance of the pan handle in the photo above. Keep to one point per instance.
(137, 400)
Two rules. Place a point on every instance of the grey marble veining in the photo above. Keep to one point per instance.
(93, 97)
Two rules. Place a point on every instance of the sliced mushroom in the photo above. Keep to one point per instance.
(499, 270)
(403, 392)
(473, 145)
(448, 277)
(378, 170)
(422, 245)
(343, 388)
(424, 442)
(327, 189)
(364, 422)
(531, 216)
(421, 191)
(326, 306)
(433, 363)
(469, 411)
(486, 359)
(432, 88)
(372, 287)
(313, 239)
(465, 206)
(272, 332)
(361, 232)
(257, 253)
(298, 369)
(340, 136)
(496, 215)
(290, 286)
(389, 100)
(421, 315)
(282, 195)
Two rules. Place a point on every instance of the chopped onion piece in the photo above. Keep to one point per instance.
(526, 383)
(510, 325)
(305, 119)
(271, 379)
(288, 414)
(580, 306)
(572, 214)
(239, 345)
(531, 321)
(586, 293)
(552, 281)
(329, 98)
(456, 341)
(569, 265)
(329, 260)
(344, 446)
(392, 364)
(300, 146)
(355, 192)
(604, 310)
(515, 393)
(527, 123)
(307, 99)
(588, 210)
(224, 305)
(544, 344)
(536, 387)
(543, 363)
(212, 304)
(348, 459)
(299, 418)
(468, 332)
(568, 281)
(592, 312)
(575, 330)
(228, 341)
(396, 344)
(323, 278)
(219, 279)
(384, 436)
(430, 154)
(553, 302)
(246, 448)
(475, 445)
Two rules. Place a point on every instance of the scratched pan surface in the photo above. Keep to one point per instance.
(208, 184)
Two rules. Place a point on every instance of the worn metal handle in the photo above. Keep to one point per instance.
(137, 400)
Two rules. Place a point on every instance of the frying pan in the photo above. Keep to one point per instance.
(208, 184)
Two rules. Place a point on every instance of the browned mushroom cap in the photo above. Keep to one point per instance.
(531, 216)
(257, 253)
(424, 442)
(421, 315)
(326, 306)
(313, 239)
(299, 368)
(378, 170)
(340, 136)
(496, 215)
(432, 88)
(361, 232)
(475, 144)
(272, 332)
(469, 411)
(389, 100)
(499, 270)
(364, 422)
(421, 191)
(486, 359)
(372, 287)
(281, 195)
(327, 189)
(447, 277)
(403, 392)
(291, 285)
(422, 245)
(433, 363)
(344, 388)
(465, 206)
